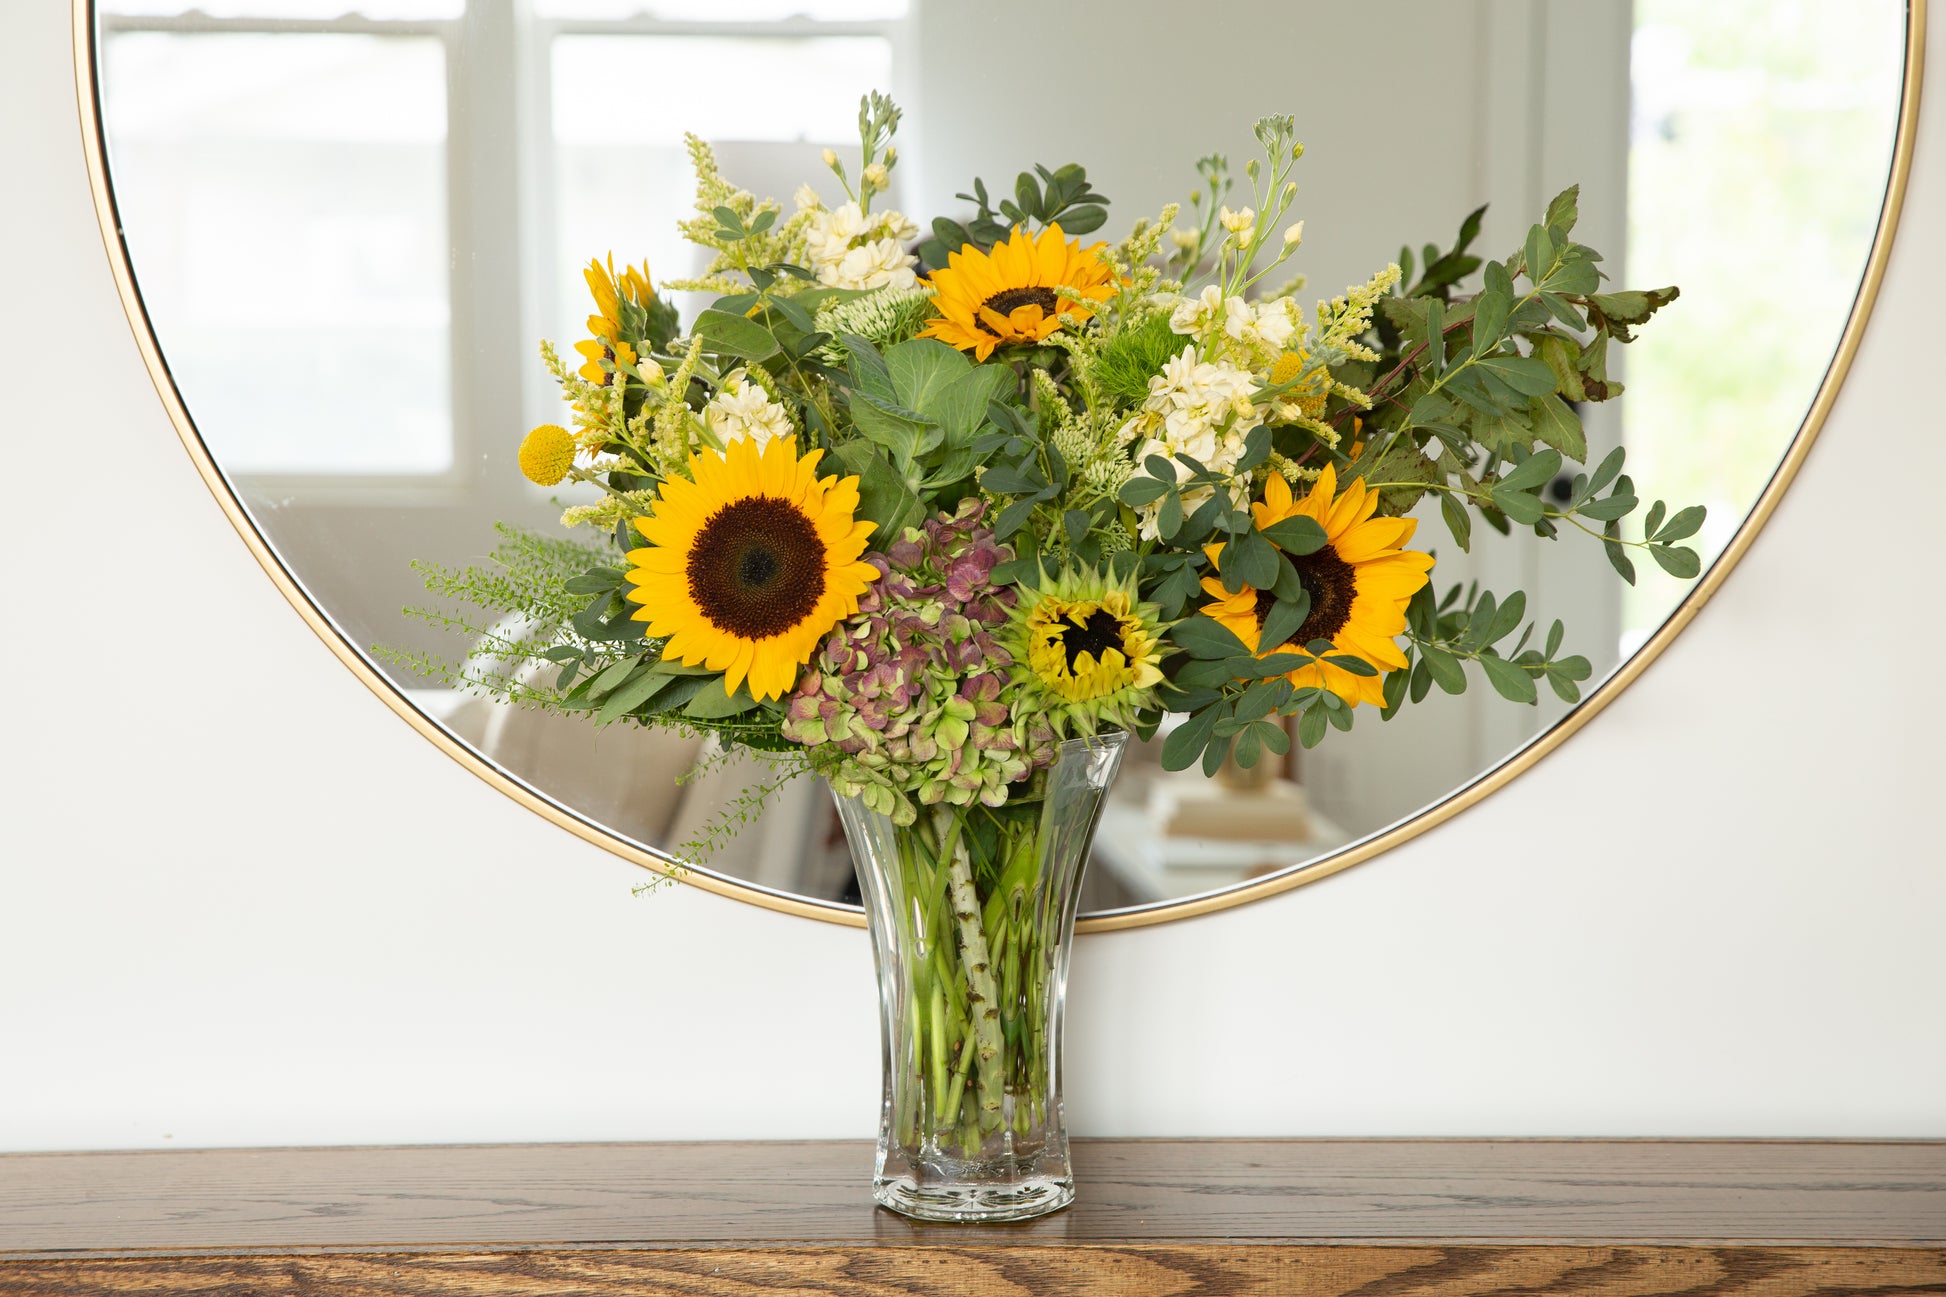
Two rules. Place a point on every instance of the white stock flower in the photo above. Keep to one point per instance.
(1265, 326)
(740, 408)
(1194, 315)
(849, 249)
(807, 199)
(1203, 409)
(881, 264)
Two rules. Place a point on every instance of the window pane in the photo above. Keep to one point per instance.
(623, 179)
(285, 207)
(722, 11)
(384, 10)
(1761, 137)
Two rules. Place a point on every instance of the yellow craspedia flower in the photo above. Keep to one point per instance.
(1085, 651)
(546, 454)
(1009, 294)
(750, 563)
(1359, 584)
(1309, 396)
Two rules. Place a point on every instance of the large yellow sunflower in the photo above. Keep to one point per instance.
(749, 564)
(1008, 295)
(1359, 583)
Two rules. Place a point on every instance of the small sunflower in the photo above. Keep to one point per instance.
(751, 563)
(1085, 650)
(1008, 295)
(611, 292)
(1359, 584)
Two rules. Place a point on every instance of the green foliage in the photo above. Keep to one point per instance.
(1133, 356)
(1041, 198)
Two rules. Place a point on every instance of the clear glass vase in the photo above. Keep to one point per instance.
(972, 915)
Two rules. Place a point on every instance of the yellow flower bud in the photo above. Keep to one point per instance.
(830, 157)
(1294, 235)
(546, 454)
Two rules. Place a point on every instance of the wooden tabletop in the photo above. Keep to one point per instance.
(1152, 1216)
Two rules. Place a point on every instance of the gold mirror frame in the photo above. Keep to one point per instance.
(87, 90)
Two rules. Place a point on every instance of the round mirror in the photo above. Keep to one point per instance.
(345, 224)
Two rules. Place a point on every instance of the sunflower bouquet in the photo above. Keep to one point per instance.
(935, 516)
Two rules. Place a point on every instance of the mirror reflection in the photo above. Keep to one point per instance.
(351, 225)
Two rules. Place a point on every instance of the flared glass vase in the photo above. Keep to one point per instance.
(972, 917)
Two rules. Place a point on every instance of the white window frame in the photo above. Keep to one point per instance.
(498, 207)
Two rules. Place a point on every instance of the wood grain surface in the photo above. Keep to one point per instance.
(1376, 1218)
(1147, 1270)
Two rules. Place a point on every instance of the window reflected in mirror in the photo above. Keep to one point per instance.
(351, 221)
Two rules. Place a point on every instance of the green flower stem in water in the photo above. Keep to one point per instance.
(984, 1000)
(975, 994)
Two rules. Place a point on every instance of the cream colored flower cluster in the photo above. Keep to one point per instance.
(1250, 334)
(848, 247)
(742, 408)
(1199, 408)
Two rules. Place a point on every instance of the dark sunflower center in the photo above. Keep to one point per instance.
(1331, 582)
(756, 568)
(1101, 632)
(1010, 300)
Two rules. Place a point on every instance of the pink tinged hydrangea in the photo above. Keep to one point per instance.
(909, 690)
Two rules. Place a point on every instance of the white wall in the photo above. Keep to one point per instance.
(241, 903)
